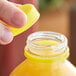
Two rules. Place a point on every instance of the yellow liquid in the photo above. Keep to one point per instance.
(35, 68)
(46, 42)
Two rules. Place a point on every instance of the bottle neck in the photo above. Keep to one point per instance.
(46, 47)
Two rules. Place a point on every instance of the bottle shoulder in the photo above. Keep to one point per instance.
(64, 68)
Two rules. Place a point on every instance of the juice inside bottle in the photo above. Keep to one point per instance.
(47, 54)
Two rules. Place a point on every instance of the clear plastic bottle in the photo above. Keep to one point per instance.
(47, 54)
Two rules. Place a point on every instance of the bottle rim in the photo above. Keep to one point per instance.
(63, 54)
(52, 35)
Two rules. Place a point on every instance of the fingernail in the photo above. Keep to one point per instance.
(6, 36)
(18, 19)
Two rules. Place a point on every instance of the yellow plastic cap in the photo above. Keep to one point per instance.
(32, 16)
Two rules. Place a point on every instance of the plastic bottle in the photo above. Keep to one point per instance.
(47, 54)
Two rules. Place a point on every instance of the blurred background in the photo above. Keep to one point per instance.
(56, 15)
(60, 16)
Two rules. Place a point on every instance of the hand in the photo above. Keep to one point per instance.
(11, 15)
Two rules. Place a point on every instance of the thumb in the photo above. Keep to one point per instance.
(6, 35)
(11, 14)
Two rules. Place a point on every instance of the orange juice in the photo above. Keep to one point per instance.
(47, 54)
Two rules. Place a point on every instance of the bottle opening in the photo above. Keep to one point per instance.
(46, 45)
